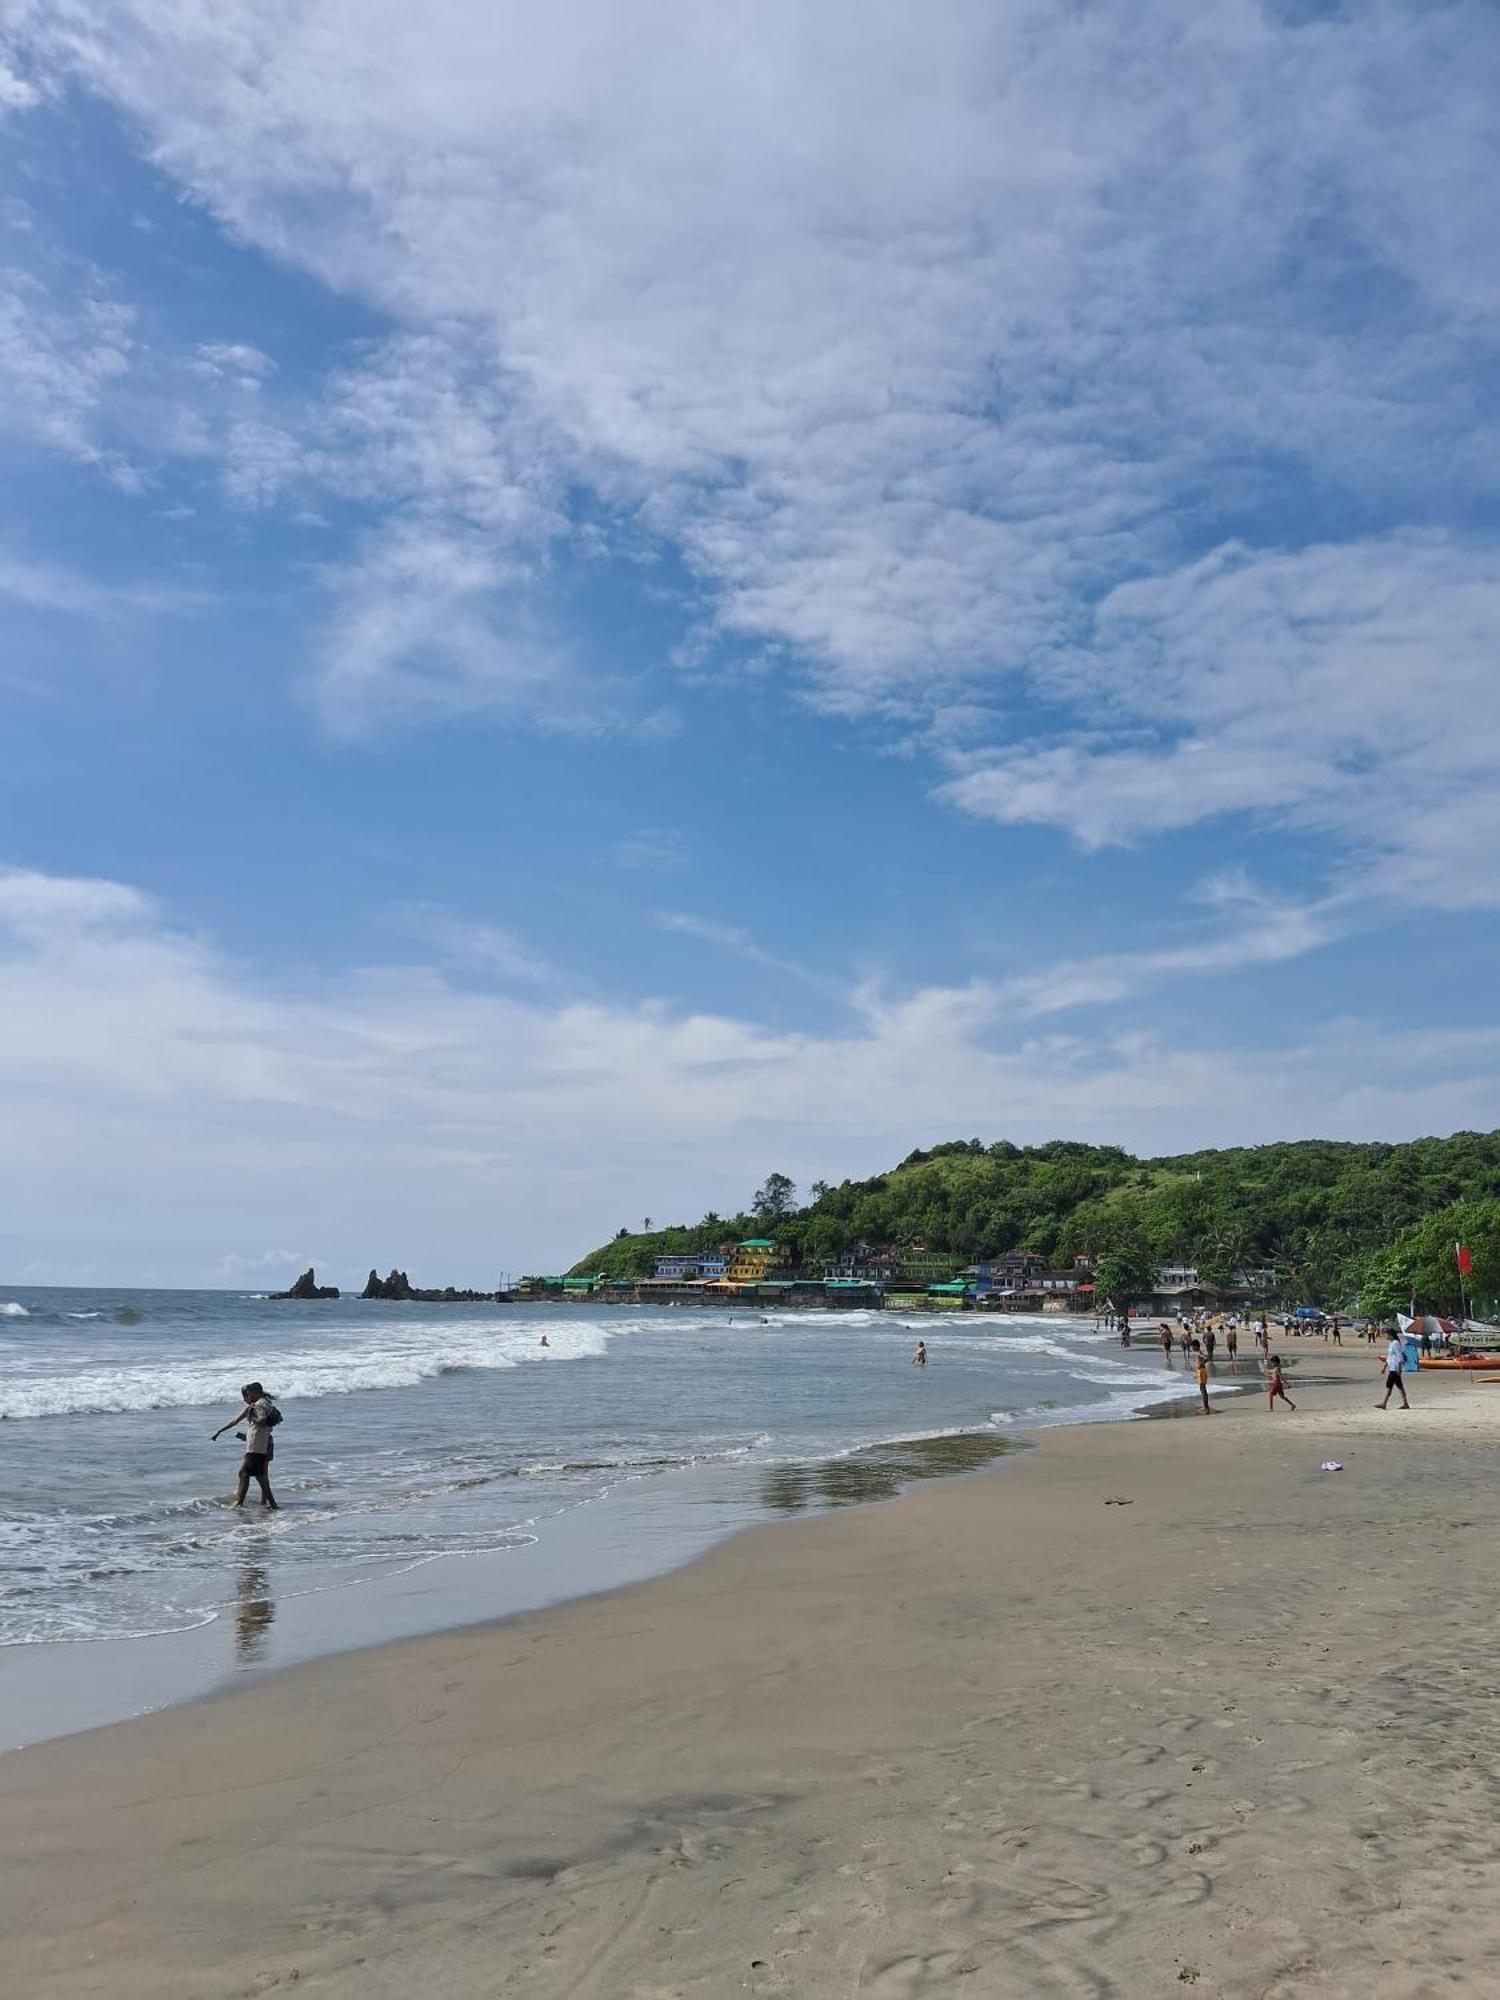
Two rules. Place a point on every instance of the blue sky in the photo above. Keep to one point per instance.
(594, 604)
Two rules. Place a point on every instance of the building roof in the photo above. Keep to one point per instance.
(758, 1243)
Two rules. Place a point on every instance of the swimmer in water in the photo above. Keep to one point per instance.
(919, 1359)
(544, 1341)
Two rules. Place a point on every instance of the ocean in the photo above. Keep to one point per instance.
(438, 1464)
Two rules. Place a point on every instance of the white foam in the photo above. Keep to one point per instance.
(10, 1309)
(389, 1358)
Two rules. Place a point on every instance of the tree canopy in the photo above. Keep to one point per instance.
(1318, 1211)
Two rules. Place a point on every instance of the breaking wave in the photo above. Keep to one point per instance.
(418, 1355)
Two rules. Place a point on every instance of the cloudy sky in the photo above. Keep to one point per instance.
(595, 601)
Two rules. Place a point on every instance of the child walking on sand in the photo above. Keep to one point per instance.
(1275, 1383)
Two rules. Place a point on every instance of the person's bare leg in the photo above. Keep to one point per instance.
(242, 1487)
(267, 1497)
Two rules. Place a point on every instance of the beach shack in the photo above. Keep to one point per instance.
(950, 1295)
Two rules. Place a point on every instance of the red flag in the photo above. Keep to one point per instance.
(1465, 1259)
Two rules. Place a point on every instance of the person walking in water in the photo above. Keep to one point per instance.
(1275, 1383)
(919, 1359)
(260, 1417)
(1232, 1341)
(1395, 1362)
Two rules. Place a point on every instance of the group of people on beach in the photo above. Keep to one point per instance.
(1199, 1337)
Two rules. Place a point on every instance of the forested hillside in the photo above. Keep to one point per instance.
(1319, 1210)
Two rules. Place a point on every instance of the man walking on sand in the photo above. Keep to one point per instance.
(1200, 1368)
(1395, 1364)
(260, 1417)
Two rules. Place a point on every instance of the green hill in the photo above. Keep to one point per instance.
(1318, 1210)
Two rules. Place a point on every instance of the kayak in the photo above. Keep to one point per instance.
(1460, 1361)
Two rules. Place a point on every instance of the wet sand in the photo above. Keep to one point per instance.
(1149, 1706)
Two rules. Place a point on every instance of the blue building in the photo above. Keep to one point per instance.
(688, 1265)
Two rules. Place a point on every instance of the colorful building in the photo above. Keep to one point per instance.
(921, 1267)
(685, 1266)
(751, 1262)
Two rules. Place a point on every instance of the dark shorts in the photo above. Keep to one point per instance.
(255, 1464)
(1393, 1380)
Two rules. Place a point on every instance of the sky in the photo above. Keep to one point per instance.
(597, 602)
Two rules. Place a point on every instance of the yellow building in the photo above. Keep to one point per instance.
(751, 1261)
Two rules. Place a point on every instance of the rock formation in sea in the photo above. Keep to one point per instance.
(307, 1287)
(396, 1285)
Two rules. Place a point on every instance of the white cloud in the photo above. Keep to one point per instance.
(490, 947)
(16, 94)
(734, 938)
(651, 847)
(937, 379)
(58, 356)
(419, 626)
(243, 1266)
(162, 1098)
(1261, 930)
(57, 587)
(909, 368)
(236, 359)
(1347, 689)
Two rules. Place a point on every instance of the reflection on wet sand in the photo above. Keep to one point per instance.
(878, 1471)
(254, 1611)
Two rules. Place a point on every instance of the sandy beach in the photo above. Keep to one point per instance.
(1151, 1706)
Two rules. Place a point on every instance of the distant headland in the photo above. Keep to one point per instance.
(1067, 1226)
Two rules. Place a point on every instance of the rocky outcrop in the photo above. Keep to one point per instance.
(307, 1287)
(396, 1285)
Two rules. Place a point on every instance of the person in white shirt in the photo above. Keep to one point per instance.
(1395, 1362)
(260, 1417)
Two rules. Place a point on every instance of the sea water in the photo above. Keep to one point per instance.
(443, 1439)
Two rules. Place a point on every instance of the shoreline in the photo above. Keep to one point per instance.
(1161, 1704)
(271, 1620)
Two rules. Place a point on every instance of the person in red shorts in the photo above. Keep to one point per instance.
(1275, 1383)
